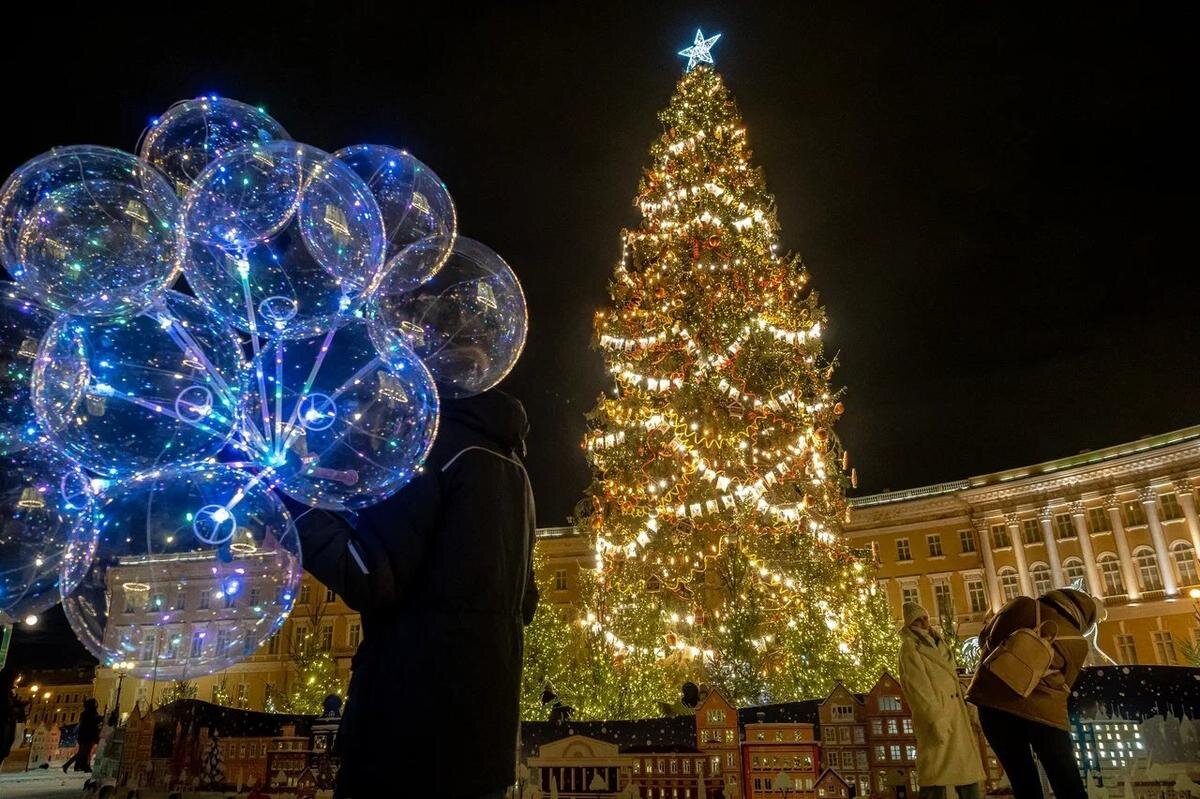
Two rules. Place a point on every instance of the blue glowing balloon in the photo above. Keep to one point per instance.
(185, 571)
(467, 323)
(350, 425)
(194, 133)
(42, 497)
(282, 238)
(128, 393)
(22, 325)
(90, 230)
(418, 213)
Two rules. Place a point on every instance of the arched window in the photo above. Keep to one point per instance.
(1110, 572)
(1185, 562)
(1010, 585)
(1040, 573)
(1147, 566)
(1073, 568)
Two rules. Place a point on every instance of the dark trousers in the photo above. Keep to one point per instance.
(1016, 740)
(82, 757)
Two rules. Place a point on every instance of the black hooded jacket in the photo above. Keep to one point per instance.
(442, 575)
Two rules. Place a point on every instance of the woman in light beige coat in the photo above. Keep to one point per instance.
(947, 752)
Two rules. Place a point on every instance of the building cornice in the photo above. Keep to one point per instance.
(1155, 460)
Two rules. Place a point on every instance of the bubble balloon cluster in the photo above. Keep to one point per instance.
(182, 571)
(149, 430)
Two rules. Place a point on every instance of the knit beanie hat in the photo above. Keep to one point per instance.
(912, 612)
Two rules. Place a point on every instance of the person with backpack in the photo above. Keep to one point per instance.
(946, 750)
(1031, 653)
(442, 574)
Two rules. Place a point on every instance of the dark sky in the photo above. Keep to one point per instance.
(996, 202)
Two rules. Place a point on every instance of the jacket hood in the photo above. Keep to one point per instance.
(1080, 608)
(493, 414)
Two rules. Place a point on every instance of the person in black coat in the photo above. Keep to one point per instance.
(442, 574)
(87, 737)
(11, 713)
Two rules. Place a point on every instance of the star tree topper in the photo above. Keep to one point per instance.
(700, 51)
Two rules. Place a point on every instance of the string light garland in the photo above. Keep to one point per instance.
(719, 486)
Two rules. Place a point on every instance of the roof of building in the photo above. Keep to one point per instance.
(670, 734)
(804, 712)
(1085, 458)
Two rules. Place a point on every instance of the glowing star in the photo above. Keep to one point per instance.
(700, 51)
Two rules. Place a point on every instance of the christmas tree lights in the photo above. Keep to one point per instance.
(719, 485)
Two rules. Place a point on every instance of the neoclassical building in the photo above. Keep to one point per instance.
(1121, 521)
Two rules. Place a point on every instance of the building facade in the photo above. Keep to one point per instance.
(55, 696)
(1121, 522)
(780, 758)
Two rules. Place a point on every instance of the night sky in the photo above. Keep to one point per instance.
(995, 203)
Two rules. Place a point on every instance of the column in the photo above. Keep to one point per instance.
(1046, 520)
(1187, 501)
(1150, 502)
(1018, 546)
(1095, 584)
(989, 564)
(1128, 573)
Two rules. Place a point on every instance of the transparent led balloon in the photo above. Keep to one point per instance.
(22, 325)
(42, 497)
(194, 133)
(467, 323)
(418, 213)
(282, 238)
(128, 393)
(89, 230)
(350, 425)
(186, 572)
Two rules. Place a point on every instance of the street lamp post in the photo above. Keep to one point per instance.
(122, 669)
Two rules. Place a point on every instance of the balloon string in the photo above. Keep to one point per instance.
(244, 270)
(278, 391)
(183, 338)
(157, 408)
(292, 431)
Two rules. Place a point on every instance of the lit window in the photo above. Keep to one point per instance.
(1010, 585)
(1134, 513)
(1073, 568)
(943, 600)
(1168, 507)
(354, 635)
(1098, 520)
(976, 595)
(890, 703)
(910, 593)
(1184, 555)
(1148, 573)
(907, 725)
(1164, 647)
(1040, 573)
(1110, 571)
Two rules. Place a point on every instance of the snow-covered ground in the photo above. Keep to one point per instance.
(38, 784)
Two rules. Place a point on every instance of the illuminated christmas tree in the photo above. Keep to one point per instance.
(719, 484)
(313, 670)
